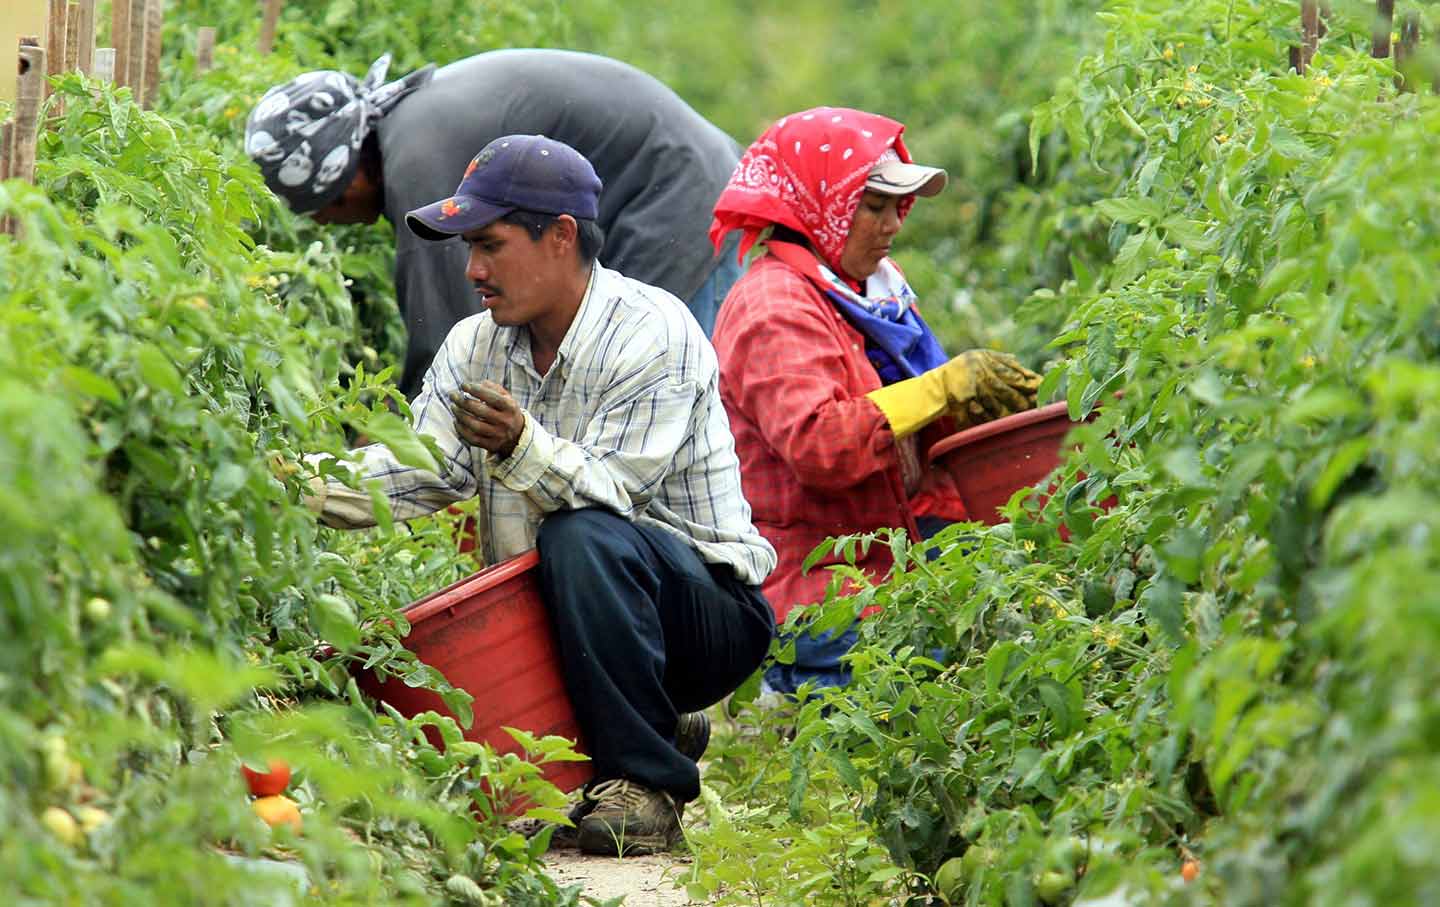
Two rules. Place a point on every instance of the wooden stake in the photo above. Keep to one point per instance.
(55, 41)
(135, 62)
(104, 70)
(154, 23)
(31, 91)
(268, 25)
(72, 37)
(120, 37)
(1380, 32)
(1310, 32)
(85, 37)
(204, 49)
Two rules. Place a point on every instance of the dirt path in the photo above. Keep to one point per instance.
(642, 881)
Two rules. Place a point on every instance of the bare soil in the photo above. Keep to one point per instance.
(650, 881)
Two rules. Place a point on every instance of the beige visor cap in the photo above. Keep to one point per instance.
(891, 176)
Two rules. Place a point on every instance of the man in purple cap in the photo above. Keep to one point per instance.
(582, 408)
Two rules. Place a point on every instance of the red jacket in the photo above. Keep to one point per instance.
(817, 458)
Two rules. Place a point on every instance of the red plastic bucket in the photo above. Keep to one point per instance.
(993, 460)
(489, 634)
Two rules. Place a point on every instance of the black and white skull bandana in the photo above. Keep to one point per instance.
(306, 134)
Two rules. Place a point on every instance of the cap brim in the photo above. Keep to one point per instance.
(453, 216)
(898, 178)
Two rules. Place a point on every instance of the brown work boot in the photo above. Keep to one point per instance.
(692, 735)
(629, 819)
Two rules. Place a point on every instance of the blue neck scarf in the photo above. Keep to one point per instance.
(898, 342)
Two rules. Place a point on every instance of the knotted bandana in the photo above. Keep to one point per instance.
(306, 134)
(807, 172)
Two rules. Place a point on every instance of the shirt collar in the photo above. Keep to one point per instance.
(586, 316)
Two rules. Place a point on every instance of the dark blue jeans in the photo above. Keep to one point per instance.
(817, 658)
(705, 304)
(646, 631)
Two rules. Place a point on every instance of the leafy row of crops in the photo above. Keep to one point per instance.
(1230, 671)
(173, 338)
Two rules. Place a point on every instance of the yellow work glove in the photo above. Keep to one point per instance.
(976, 386)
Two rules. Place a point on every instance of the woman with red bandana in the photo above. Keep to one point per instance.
(833, 382)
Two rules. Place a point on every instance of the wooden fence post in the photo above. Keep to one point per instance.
(120, 37)
(104, 70)
(30, 92)
(268, 25)
(135, 70)
(72, 37)
(1309, 31)
(1380, 31)
(55, 41)
(204, 49)
(154, 23)
(85, 37)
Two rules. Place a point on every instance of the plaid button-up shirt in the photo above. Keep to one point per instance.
(817, 456)
(628, 418)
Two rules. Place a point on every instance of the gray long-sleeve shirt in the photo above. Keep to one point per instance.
(662, 165)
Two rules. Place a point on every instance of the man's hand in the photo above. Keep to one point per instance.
(486, 416)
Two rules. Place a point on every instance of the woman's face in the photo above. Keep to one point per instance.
(876, 221)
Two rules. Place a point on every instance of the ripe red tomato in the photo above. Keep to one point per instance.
(267, 784)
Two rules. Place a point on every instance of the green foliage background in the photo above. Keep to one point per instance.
(962, 76)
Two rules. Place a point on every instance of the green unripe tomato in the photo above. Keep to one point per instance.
(950, 879)
(1051, 885)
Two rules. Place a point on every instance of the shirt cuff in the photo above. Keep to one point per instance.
(533, 454)
(336, 504)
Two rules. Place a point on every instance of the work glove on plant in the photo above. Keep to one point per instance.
(975, 386)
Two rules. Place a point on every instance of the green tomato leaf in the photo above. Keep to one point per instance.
(84, 381)
(399, 439)
(334, 620)
(157, 371)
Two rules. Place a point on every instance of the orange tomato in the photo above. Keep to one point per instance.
(1189, 870)
(269, 783)
(278, 810)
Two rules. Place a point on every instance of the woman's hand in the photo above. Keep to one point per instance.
(1002, 385)
(486, 416)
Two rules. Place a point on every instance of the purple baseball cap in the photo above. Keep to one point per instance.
(513, 173)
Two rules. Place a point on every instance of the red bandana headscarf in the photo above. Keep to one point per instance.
(807, 172)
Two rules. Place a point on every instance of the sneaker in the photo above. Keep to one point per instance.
(629, 819)
(692, 735)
